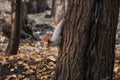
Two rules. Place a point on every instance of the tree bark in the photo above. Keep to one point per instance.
(24, 13)
(88, 40)
(36, 6)
(53, 8)
(16, 27)
(42, 5)
(32, 6)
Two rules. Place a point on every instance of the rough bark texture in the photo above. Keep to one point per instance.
(16, 27)
(88, 43)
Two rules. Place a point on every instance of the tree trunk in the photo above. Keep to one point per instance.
(53, 7)
(36, 6)
(24, 13)
(16, 27)
(63, 2)
(88, 40)
(32, 6)
(42, 5)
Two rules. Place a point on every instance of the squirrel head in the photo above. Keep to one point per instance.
(46, 39)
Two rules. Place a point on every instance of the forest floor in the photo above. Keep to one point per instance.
(35, 61)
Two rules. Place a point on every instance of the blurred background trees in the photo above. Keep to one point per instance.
(16, 19)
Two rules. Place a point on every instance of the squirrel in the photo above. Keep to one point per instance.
(58, 22)
(56, 37)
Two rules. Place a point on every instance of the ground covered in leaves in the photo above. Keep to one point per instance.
(116, 75)
(33, 62)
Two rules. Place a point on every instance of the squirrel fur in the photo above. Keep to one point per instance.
(59, 22)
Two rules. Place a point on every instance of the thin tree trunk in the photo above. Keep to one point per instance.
(42, 5)
(24, 13)
(16, 27)
(88, 40)
(53, 7)
(32, 6)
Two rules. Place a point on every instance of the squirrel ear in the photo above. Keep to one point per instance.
(46, 38)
